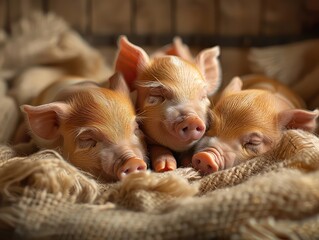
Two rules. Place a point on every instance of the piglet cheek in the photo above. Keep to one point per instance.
(108, 163)
(230, 160)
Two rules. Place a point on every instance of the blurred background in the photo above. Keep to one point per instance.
(235, 25)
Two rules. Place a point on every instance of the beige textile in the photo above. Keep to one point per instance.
(295, 64)
(274, 196)
(43, 48)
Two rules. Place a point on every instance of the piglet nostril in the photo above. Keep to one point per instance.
(141, 168)
(185, 129)
(200, 129)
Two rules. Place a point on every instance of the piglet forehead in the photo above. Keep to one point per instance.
(178, 77)
(243, 112)
(172, 67)
(110, 112)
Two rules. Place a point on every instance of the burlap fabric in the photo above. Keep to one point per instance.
(275, 196)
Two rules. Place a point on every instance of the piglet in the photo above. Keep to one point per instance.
(92, 127)
(249, 122)
(172, 97)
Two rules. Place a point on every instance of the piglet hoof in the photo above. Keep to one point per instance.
(132, 165)
(205, 163)
(165, 165)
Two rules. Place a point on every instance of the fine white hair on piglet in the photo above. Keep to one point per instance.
(151, 84)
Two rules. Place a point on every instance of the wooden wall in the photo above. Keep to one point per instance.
(227, 22)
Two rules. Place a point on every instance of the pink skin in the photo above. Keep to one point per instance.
(179, 131)
(132, 165)
(190, 129)
(180, 125)
(209, 161)
(163, 160)
(122, 158)
(214, 155)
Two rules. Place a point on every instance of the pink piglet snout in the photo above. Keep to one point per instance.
(132, 165)
(208, 161)
(190, 129)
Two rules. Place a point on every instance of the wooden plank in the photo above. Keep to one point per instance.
(234, 62)
(239, 17)
(195, 16)
(311, 16)
(74, 12)
(3, 13)
(312, 5)
(153, 16)
(282, 17)
(111, 17)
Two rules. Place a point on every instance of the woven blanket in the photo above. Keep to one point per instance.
(42, 196)
(274, 196)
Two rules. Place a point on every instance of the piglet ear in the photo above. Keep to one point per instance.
(177, 48)
(208, 63)
(130, 61)
(235, 85)
(117, 83)
(44, 120)
(299, 119)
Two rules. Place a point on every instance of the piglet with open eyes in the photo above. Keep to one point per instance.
(172, 96)
(249, 122)
(92, 127)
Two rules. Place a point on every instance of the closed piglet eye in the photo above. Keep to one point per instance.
(88, 138)
(86, 142)
(252, 141)
(155, 99)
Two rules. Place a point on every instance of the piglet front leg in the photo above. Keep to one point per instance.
(162, 158)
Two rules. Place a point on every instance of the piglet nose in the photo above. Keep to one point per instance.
(192, 128)
(132, 165)
(205, 163)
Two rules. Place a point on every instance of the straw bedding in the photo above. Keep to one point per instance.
(274, 196)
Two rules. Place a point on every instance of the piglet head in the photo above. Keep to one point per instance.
(246, 123)
(172, 93)
(96, 130)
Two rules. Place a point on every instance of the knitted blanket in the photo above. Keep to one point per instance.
(42, 196)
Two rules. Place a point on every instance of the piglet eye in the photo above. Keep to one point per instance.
(86, 142)
(253, 141)
(155, 99)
